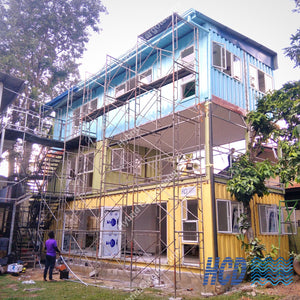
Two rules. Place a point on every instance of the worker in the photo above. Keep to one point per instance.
(51, 249)
(231, 157)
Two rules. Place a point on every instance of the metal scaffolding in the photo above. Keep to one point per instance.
(123, 158)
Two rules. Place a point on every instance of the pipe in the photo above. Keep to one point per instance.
(11, 235)
(72, 271)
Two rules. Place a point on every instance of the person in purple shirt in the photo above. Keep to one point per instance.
(51, 249)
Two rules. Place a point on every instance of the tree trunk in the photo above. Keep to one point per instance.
(249, 232)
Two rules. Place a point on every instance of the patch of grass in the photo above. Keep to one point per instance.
(12, 288)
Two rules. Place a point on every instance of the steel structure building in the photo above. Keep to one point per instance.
(132, 163)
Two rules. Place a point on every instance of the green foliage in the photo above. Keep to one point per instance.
(276, 121)
(276, 116)
(252, 248)
(293, 52)
(248, 178)
(42, 40)
(295, 256)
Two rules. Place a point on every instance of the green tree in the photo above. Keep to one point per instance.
(276, 121)
(42, 40)
(293, 51)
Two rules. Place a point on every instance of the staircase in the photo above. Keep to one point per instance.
(51, 161)
(26, 242)
(41, 208)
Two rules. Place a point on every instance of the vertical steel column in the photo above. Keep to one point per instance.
(210, 170)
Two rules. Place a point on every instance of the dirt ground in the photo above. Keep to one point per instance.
(289, 292)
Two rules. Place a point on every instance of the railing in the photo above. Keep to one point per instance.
(21, 119)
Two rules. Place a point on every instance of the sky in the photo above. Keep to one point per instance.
(268, 22)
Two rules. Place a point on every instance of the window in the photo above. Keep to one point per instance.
(190, 220)
(85, 170)
(235, 67)
(260, 80)
(187, 57)
(126, 161)
(120, 90)
(117, 160)
(166, 166)
(288, 221)
(226, 62)
(89, 107)
(130, 84)
(82, 112)
(228, 213)
(146, 77)
(188, 86)
(219, 56)
(188, 89)
(269, 220)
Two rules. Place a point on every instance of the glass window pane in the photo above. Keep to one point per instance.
(188, 89)
(93, 104)
(288, 225)
(217, 55)
(146, 77)
(89, 164)
(190, 231)
(236, 68)
(268, 83)
(253, 77)
(261, 81)
(120, 90)
(223, 216)
(187, 57)
(268, 218)
(228, 69)
(192, 206)
(235, 214)
(272, 219)
(117, 159)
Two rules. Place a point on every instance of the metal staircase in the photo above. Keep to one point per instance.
(38, 213)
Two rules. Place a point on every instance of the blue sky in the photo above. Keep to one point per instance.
(269, 22)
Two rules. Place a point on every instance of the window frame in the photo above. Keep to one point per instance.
(294, 222)
(188, 60)
(221, 54)
(130, 162)
(85, 171)
(275, 209)
(229, 215)
(144, 77)
(189, 219)
(226, 61)
(81, 112)
(262, 87)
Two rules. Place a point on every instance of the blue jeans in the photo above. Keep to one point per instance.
(50, 263)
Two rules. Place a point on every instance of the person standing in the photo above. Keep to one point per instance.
(51, 249)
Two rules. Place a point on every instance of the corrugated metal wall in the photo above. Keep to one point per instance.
(229, 245)
(224, 86)
(238, 92)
